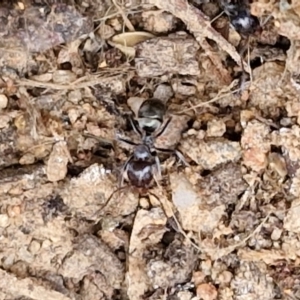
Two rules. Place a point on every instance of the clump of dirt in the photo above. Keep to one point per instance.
(222, 221)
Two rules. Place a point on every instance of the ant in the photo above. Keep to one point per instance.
(240, 17)
(144, 165)
(245, 24)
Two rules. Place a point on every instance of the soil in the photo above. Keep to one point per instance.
(222, 223)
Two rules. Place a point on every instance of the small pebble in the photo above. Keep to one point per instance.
(46, 244)
(27, 159)
(225, 277)
(215, 128)
(192, 131)
(198, 277)
(163, 92)
(286, 122)
(276, 234)
(276, 245)
(3, 101)
(144, 203)
(34, 247)
(4, 220)
(207, 291)
(75, 96)
(4, 121)
(13, 211)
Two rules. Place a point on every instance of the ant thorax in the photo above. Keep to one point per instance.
(142, 152)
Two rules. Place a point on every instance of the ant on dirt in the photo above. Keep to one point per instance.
(240, 17)
(144, 165)
(244, 23)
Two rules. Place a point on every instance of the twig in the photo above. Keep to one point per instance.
(77, 84)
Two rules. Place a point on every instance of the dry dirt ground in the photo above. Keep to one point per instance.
(225, 227)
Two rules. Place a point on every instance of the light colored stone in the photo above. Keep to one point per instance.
(3, 101)
(276, 234)
(34, 247)
(4, 220)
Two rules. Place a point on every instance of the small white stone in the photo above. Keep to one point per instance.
(276, 234)
(216, 128)
(3, 101)
(4, 220)
(34, 247)
(46, 244)
(144, 203)
(27, 159)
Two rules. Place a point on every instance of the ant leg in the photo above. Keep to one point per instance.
(244, 45)
(163, 128)
(126, 141)
(178, 154)
(134, 127)
(99, 139)
(181, 157)
(158, 168)
(123, 172)
(156, 175)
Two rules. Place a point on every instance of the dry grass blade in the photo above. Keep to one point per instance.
(222, 94)
(123, 14)
(103, 78)
(200, 26)
(133, 10)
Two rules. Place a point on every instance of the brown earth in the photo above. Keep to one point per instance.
(225, 227)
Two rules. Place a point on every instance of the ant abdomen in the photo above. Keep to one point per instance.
(150, 114)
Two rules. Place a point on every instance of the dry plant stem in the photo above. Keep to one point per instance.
(92, 81)
(125, 19)
(25, 287)
(217, 253)
(223, 251)
(132, 10)
(222, 94)
(200, 26)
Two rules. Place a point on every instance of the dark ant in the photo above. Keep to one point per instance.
(240, 17)
(144, 165)
(244, 23)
